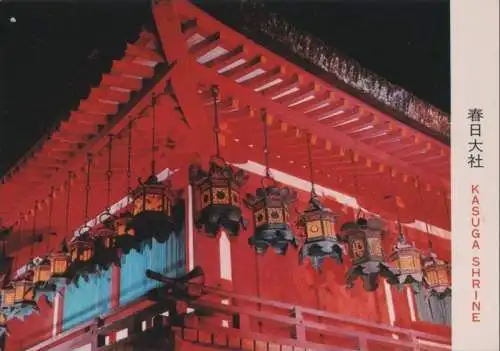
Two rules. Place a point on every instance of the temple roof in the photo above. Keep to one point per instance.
(272, 30)
(251, 77)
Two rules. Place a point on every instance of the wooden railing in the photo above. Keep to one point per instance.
(165, 324)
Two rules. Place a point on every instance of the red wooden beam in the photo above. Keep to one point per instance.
(118, 81)
(328, 113)
(305, 94)
(232, 57)
(206, 45)
(97, 107)
(281, 88)
(248, 97)
(321, 101)
(207, 23)
(83, 118)
(243, 70)
(266, 80)
(144, 53)
(132, 69)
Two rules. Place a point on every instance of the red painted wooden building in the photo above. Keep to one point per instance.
(284, 117)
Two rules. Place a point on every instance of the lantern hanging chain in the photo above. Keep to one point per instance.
(266, 144)
(445, 199)
(154, 147)
(396, 207)
(109, 172)
(51, 210)
(429, 241)
(33, 232)
(129, 158)
(87, 188)
(356, 185)
(311, 171)
(215, 92)
(68, 199)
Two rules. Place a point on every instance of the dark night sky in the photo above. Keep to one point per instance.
(54, 52)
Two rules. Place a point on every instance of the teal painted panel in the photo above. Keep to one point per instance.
(84, 301)
(167, 258)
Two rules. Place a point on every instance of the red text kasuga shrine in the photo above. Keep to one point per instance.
(228, 191)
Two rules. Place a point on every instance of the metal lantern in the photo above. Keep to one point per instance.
(81, 248)
(152, 196)
(41, 272)
(23, 290)
(219, 198)
(8, 296)
(270, 215)
(3, 322)
(59, 263)
(364, 241)
(106, 232)
(126, 238)
(122, 225)
(152, 204)
(320, 241)
(437, 278)
(407, 262)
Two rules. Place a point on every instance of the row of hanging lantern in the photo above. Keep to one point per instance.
(150, 214)
(219, 209)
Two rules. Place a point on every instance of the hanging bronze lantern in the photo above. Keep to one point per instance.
(437, 278)
(105, 242)
(364, 241)
(105, 232)
(219, 194)
(152, 196)
(318, 223)
(270, 209)
(270, 215)
(152, 204)
(41, 272)
(126, 238)
(122, 225)
(60, 269)
(81, 248)
(152, 201)
(406, 259)
(59, 263)
(8, 296)
(23, 290)
(3, 324)
(125, 233)
(218, 190)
